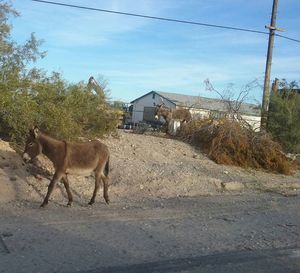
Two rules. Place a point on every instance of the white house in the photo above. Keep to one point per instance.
(200, 107)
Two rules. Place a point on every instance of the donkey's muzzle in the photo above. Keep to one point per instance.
(26, 158)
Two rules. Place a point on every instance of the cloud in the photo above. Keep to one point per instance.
(71, 27)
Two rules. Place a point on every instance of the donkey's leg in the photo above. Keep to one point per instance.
(97, 183)
(105, 180)
(66, 184)
(55, 178)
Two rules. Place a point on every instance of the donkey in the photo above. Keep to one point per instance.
(168, 114)
(70, 158)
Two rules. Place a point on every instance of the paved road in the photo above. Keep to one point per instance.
(273, 261)
(241, 233)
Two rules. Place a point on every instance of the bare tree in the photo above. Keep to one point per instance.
(233, 106)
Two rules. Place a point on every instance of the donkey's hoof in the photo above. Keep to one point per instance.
(69, 205)
(43, 205)
(107, 201)
(91, 203)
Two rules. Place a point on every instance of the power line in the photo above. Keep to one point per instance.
(151, 17)
(164, 19)
(288, 38)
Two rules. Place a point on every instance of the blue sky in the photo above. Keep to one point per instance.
(137, 55)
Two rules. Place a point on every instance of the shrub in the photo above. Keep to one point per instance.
(228, 142)
(18, 112)
(65, 112)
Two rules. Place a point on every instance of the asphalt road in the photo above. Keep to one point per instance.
(273, 261)
(240, 233)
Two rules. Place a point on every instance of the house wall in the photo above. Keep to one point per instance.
(253, 121)
(147, 101)
(199, 113)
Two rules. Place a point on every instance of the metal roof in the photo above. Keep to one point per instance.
(203, 103)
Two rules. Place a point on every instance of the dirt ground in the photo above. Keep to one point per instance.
(142, 166)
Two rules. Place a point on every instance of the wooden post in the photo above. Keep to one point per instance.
(266, 93)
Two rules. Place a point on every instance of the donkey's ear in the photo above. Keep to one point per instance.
(35, 131)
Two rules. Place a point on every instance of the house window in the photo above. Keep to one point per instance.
(153, 96)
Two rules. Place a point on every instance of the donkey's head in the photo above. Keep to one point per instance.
(33, 147)
(161, 111)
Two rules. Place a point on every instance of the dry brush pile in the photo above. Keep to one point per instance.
(229, 142)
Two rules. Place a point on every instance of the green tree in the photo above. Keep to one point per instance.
(28, 96)
(284, 116)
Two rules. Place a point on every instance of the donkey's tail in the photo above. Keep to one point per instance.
(106, 170)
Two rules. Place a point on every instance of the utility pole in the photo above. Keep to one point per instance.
(266, 95)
